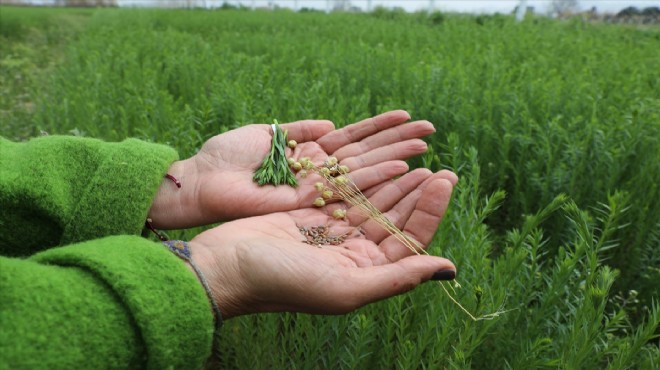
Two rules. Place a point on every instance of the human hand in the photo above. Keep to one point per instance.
(217, 182)
(261, 264)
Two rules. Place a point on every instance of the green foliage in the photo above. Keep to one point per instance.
(274, 170)
(561, 117)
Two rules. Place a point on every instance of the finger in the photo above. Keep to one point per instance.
(358, 287)
(402, 150)
(373, 175)
(442, 174)
(412, 130)
(390, 194)
(424, 220)
(397, 204)
(449, 176)
(401, 209)
(397, 213)
(307, 130)
(358, 131)
(360, 179)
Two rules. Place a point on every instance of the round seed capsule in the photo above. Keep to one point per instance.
(327, 194)
(290, 161)
(339, 213)
(296, 166)
(341, 180)
(331, 161)
(319, 186)
(292, 144)
(319, 202)
(324, 171)
(302, 173)
(344, 169)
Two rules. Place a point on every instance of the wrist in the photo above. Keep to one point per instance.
(167, 210)
(185, 251)
(223, 282)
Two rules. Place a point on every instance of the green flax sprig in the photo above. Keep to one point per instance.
(274, 169)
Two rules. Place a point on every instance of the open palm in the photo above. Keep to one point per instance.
(262, 264)
(218, 182)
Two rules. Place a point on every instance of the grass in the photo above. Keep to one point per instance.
(553, 127)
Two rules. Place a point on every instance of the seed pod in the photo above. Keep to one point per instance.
(344, 169)
(319, 186)
(319, 202)
(339, 213)
(327, 194)
(292, 144)
(302, 173)
(308, 165)
(324, 171)
(331, 161)
(341, 180)
(290, 161)
(296, 166)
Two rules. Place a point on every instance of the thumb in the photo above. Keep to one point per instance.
(375, 283)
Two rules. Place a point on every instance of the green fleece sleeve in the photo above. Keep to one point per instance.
(57, 190)
(119, 302)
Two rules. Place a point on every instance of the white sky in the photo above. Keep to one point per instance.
(474, 6)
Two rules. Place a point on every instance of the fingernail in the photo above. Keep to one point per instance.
(444, 275)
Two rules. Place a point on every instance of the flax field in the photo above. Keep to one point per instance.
(552, 125)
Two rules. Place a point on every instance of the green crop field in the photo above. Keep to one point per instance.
(553, 127)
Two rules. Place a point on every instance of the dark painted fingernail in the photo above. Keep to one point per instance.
(444, 275)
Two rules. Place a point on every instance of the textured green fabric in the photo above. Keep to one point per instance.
(57, 190)
(109, 302)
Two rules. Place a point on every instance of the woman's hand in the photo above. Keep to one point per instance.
(217, 182)
(261, 264)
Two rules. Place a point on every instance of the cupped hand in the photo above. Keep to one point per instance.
(217, 182)
(262, 264)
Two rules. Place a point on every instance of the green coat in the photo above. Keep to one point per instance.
(79, 288)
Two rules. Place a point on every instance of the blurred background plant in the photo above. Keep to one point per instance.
(553, 127)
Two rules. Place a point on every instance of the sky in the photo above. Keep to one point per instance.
(472, 6)
(476, 6)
